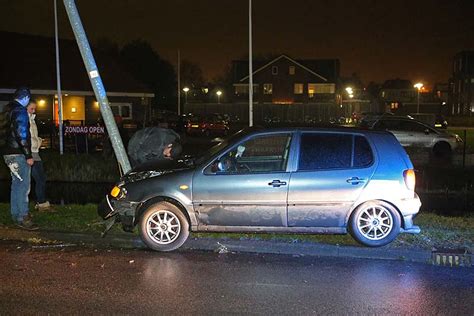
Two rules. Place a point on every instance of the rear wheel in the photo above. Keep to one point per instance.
(163, 227)
(442, 149)
(375, 223)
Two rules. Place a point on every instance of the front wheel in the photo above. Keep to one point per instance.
(163, 227)
(375, 223)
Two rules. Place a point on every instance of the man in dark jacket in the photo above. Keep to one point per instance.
(16, 151)
(153, 143)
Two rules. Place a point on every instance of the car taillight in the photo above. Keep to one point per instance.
(410, 179)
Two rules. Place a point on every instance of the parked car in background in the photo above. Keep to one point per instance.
(286, 180)
(413, 133)
(433, 120)
(212, 124)
(367, 119)
(165, 119)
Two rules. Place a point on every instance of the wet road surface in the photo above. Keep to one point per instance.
(100, 281)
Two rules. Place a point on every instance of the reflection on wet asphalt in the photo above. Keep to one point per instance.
(112, 281)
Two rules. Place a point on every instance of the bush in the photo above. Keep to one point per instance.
(76, 168)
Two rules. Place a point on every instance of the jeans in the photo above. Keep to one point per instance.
(38, 175)
(20, 172)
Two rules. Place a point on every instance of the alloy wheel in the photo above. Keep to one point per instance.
(163, 227)
(375, 222)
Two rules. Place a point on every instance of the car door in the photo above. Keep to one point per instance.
(333, 169)
(247, 185)
(419, 134)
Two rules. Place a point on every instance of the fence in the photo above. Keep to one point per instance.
(304, 112)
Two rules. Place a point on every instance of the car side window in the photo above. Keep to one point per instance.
(393, 125)
(322, 151)
(260, 154)
(413, 127)
(363, 156)
(325, 151)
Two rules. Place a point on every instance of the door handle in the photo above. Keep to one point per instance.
(355, 180)
(277, 183)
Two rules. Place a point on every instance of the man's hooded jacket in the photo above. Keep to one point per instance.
(15, 131)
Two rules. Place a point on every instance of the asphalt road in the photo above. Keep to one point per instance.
(101, 281)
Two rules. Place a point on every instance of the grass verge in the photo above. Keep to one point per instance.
(436, 231)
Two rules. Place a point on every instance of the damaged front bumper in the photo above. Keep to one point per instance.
(113, 210)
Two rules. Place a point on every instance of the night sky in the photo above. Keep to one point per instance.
(379, 40)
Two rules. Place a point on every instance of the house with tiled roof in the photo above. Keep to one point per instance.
(284, 80)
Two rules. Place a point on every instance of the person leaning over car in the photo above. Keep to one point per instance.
(16, 151)
(153, 143)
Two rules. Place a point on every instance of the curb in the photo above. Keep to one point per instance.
(229, 245)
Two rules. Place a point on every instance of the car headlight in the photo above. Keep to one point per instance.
(118, 192)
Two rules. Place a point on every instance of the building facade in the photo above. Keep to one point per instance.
(461, 99)
(284, 80)
(30, 61)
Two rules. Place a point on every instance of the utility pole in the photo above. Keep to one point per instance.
(179, 83)
(97, 85)
(58, 82)
(250, 67)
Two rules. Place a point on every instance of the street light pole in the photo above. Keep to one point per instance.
(179, 82)
(250, 67)
(418, 101)
(418, 86)
(97, 85)
(219, 93)
(185, 89)
(58, 81)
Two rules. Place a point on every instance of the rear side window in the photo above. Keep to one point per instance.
(362, 152)
(325, 151)
(333, 151)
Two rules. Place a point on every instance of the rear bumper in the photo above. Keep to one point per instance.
(409, 208)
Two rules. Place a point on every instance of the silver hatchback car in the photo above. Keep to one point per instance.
(329, 181)
(413, 133)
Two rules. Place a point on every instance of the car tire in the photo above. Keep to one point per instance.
(442, 149)
(163, 227)
(374, 223)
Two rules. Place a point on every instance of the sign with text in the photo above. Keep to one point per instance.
(84, 130)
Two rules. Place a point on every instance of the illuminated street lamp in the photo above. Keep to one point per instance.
(219, 93)
(186, 90)
(418, 86)
(350, 92)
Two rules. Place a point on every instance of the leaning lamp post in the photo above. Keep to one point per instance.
(418, 87)
(97, 85)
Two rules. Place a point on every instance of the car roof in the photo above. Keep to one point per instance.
(338, 129)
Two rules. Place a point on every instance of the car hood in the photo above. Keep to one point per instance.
(156, 168)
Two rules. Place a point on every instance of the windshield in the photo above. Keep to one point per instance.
(218, 147)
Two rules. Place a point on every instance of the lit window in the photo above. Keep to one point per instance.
(275, 70)
(291, 70)
(267, 88)
(298, 88)
(311, 89)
